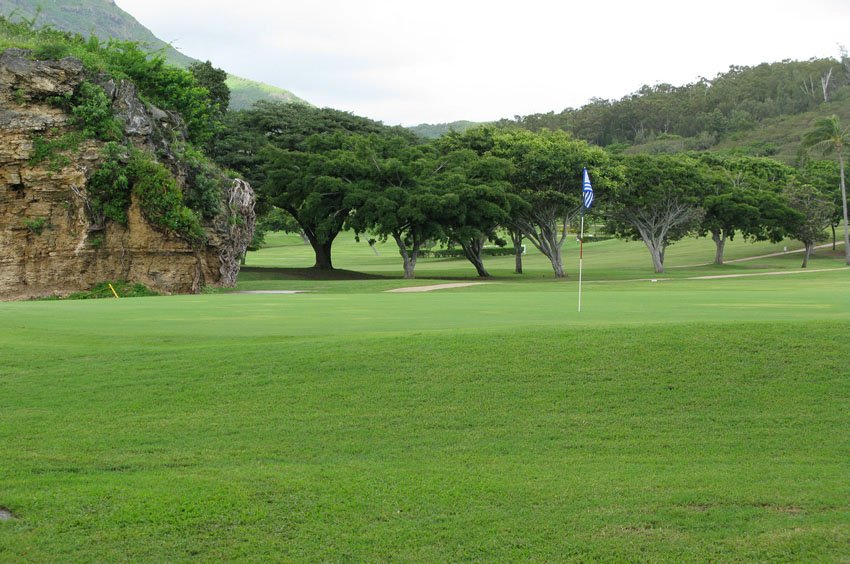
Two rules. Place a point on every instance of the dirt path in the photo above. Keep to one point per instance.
(776, 273)
(745, 259)
(437, 287)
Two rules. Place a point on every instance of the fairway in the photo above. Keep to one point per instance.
(669, 421)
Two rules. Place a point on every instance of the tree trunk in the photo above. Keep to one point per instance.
(833, 237)
(809, 246)
(844, 209)
(408, 258)
(322, 250)
(550, 246)
(719, 238)
(543, 233)
(557, 263)
(304, 238)
(656, 252)
(516, 238)
(472, 251)
(657, 260)
(409, 267)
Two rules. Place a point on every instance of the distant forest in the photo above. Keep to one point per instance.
(706, 111)
(746, 108)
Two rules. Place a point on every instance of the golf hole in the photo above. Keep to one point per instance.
(6, 515)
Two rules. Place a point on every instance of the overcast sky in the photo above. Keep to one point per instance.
(408, 62)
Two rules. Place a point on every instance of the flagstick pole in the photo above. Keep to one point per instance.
(580, 260)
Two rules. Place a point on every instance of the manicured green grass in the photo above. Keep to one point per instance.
(284, 264)
(671, 421)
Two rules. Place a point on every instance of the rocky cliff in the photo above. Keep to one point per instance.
(50, 241)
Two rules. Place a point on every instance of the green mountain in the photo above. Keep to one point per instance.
(104, 19)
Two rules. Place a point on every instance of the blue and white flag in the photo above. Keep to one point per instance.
(586, 191)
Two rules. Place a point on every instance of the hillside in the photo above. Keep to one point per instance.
(760, 110)
(436, 130)
(104, 19)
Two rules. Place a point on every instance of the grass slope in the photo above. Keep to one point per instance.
(244, 93)
(105, 20)
(101, 18)
(777, 137)
(670, 421)
(785, 133)
(284, 264)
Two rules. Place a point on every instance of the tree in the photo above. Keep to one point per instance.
(828, 136)
(399, 197)
(314, 184)
(214, 80)
(815, 210)
(483, 201)
(299, 159)
(482, 215)
(547, 176)
(743, 197)
(658, 201)
(825, 176)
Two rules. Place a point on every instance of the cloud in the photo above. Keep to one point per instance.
(405, 62)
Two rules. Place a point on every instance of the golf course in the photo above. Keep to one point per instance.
(699, 414)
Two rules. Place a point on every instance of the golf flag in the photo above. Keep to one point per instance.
(586, 191)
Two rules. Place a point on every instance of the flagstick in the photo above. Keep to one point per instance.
(580, 260)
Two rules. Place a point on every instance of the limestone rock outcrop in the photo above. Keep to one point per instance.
(48, 243)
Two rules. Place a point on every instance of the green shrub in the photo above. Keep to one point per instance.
(96, 241)
(203, 182)
(50, 150)
(36, 225)
(109, 187)
(51, 51)
(123, 288)
(161, 199)
(92, 112)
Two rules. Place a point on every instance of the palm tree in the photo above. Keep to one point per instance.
(828, 137)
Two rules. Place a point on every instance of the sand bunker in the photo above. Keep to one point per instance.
(437, 287)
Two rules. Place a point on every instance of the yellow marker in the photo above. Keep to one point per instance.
(114, 293)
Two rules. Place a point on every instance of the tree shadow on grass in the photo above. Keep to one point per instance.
(262, 273)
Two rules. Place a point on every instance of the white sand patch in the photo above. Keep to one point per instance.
(437, 287)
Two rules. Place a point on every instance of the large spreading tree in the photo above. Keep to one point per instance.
(743, 196)
(399, 199)
(298, 158)
(658, 202)
(547, 176)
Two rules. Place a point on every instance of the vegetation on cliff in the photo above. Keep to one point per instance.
(126, 169)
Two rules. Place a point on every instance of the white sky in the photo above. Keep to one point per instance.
(408, 62)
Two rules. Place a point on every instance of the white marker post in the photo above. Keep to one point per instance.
(586, 202)
(580, 259)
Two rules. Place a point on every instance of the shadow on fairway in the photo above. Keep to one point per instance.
(250, 273)
(262, 273)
